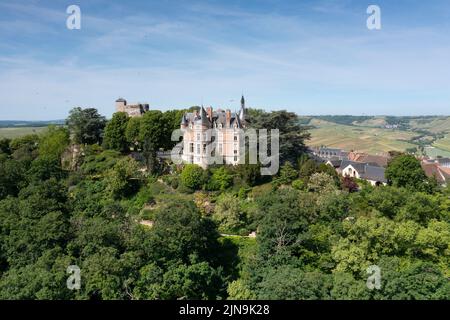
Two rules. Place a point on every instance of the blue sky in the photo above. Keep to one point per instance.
(311, 57)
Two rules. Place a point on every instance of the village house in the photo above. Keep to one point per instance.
(360, 170)
(325, 153)
(437, 171)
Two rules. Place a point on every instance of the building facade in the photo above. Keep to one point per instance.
(201, 128)
(133, 110)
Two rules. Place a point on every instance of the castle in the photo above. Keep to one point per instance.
(197, 127)
(133, 110)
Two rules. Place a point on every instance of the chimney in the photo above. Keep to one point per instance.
(209, 112)
(228, 117)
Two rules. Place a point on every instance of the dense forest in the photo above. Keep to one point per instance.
(94, 194)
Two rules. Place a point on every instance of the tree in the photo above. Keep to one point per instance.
(53, 142)
(179, 231)
(124, 179)
(249, 173)
(24, 149)
(45, 167)
(12, 177)
(292, 134)
(287, 174)
(132, 131)
(406, 280)
(308, 168)
(153, 136)
(290, 283)
(321, 182)
(4, 146)
(115, 132)
(86, 125)
(239, 290)
(349, 184)
(154, 128)
(221, 179)
(192, 177)
(229, 214)
(406, 171)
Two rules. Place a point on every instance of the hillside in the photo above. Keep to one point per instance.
(379, 134)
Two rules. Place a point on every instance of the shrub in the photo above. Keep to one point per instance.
(192, 177)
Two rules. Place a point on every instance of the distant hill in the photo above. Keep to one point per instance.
(21, 123)
(428, 135)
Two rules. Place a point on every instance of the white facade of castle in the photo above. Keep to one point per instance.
(223, 125)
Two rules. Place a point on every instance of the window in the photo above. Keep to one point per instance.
(191, 147)
(192, 159)
(198, 136)
(235, 151)
(204, 148)
(198, 148)
(235, 138)
(235, 158)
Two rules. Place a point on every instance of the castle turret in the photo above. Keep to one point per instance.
(242, 111)
(121, 103)
(184, 122)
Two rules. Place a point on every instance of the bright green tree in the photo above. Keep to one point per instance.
(115, 132)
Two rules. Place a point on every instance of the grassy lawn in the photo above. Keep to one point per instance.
(15, 132)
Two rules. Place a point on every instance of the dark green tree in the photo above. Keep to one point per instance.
(292, 134)
(406, 171)
(86, 125)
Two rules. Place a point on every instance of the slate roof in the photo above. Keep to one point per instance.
(366, 171)
(374, 173)
(218, 117)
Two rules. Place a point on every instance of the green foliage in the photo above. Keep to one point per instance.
(321, 182)
(99, 163)
(5, 146)
(193, 177)
(299, 184)
(86, 125)
(12, 176)
(313, 241)
(132, 131)
(290, 283)
(249, 173)
(44, 168)
(229, 215)
(287, 174)
(239, 290)
(292, 134)
(115, 137)
(53, 142)
(221, 179)
(405, 171)
(124, 179)
(24, 148)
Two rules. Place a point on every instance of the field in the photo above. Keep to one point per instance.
(375, 134)
(443, 144)
(15, 132)
(358, 138)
